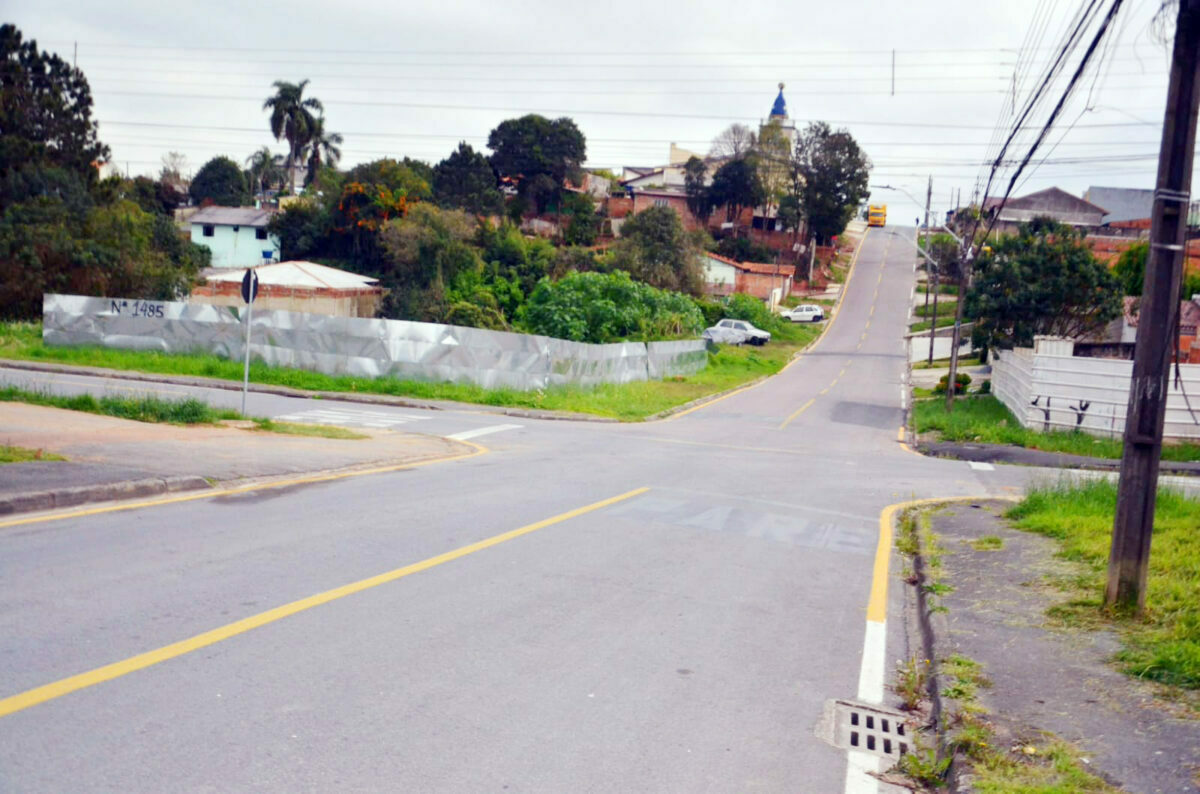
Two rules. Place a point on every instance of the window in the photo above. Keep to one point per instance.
(235, 229)
(260, 234)
(208, 230)
(661, 202)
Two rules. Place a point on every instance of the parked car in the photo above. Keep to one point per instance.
(736, 332)
(804, 313)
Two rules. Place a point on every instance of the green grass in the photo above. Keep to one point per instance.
(944, 363)
(317, 431)
(988, 543)
(945, 308)
(984, 419)
(923, 325)
(943, 289)
(1164, 644)
(727, 368)
(22, 455)
(142, 409)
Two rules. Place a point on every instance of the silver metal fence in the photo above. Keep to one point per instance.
(363, 347)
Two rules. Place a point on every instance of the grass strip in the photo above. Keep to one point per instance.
(942, 322)
(189, 411)
(984, 419)
(316, 431)
(728, 368)
(945, 308)
(23, 455)
(1164, 643)
(944, 363)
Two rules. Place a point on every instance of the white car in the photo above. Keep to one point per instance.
(736, 332)
(804, 313)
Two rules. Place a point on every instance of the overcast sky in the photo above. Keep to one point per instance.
(413, 78)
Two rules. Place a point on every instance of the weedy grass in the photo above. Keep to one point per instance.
(944, 363)
(984, 419)
(189, 411)
(924, 325)
(988, 543)
(23, 455)
(1164, 643)
(317, 431)
(728, 368)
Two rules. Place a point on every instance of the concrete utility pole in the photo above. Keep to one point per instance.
(931, 269)
(1134, 520)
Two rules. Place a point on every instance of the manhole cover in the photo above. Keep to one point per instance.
(868, 729)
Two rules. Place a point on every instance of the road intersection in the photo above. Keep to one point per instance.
(588, 606)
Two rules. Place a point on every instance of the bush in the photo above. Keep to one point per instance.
(607, 307)
(984, 388)
(962, 381)
(712, 310)
(746, 307)
(743, 249)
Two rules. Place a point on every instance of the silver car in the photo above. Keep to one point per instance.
(736, 332)
(804, 313)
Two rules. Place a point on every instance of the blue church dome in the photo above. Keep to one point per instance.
(780, 106)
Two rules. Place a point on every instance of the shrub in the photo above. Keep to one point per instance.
(607, 307)
(962, 380)
(985, 387)
(743, 249)
(712, 310)
(746, 307)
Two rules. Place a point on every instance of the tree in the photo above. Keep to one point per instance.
(45, 110)
(539, 154)
(264, 168)
(425, 251)
(734, 142)
(220, 181)
(582, 225)
(1130, 268)
(695, 184)
(834, 172)
(655, 249)
(736, 185)
(773, 159)
(1042, 280)
(61, 229)
(292, 118)
(465, 180)
(407, 176)
(173, 175)
(321, 146)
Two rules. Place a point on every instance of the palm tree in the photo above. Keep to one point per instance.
(291, 118)
(264, 168)
(321, 143)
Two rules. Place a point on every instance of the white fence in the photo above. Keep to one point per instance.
(1048, 388)
(363, 347)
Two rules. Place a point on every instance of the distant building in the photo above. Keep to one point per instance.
(237, 236)
(1121, 203)
(294, 287)
(1051, 202)
(724, 276)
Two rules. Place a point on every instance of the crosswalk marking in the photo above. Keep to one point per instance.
(350, 417)
(977, 466)
(482, 431)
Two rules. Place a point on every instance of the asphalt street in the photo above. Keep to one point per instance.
(681, 600)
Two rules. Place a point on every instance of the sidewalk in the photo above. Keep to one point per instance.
(1046, 678)
(110, 458)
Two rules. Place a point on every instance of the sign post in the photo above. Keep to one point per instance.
(249, 293)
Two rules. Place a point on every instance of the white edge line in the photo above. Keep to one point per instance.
(482, 431)
(859, 765)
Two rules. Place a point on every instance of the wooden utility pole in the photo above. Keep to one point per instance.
(1134, 520)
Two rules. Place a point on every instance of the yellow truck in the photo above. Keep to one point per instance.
(877, 215)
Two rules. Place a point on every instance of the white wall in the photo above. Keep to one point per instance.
(1069, 386)
(719, 272)
(236, 249)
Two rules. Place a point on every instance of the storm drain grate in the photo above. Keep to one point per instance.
(869, 729)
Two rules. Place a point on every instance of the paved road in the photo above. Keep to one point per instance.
(685, 637)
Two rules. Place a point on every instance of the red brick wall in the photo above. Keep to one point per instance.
(759, 285)
(643, 202)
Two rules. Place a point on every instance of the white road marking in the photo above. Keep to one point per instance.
(981, 466)
(350, 417)
(859, 766)
(482, 431)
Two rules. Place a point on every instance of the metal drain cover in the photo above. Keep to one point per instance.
(868, 729)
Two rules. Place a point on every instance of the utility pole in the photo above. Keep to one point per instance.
(928, 266)
(1133, 522)
(893, 72)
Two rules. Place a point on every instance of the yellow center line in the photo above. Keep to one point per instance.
(476, 449)
(41, 694)
(799, 411)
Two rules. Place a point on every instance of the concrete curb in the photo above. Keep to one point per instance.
(998, 453)
(105, 492)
